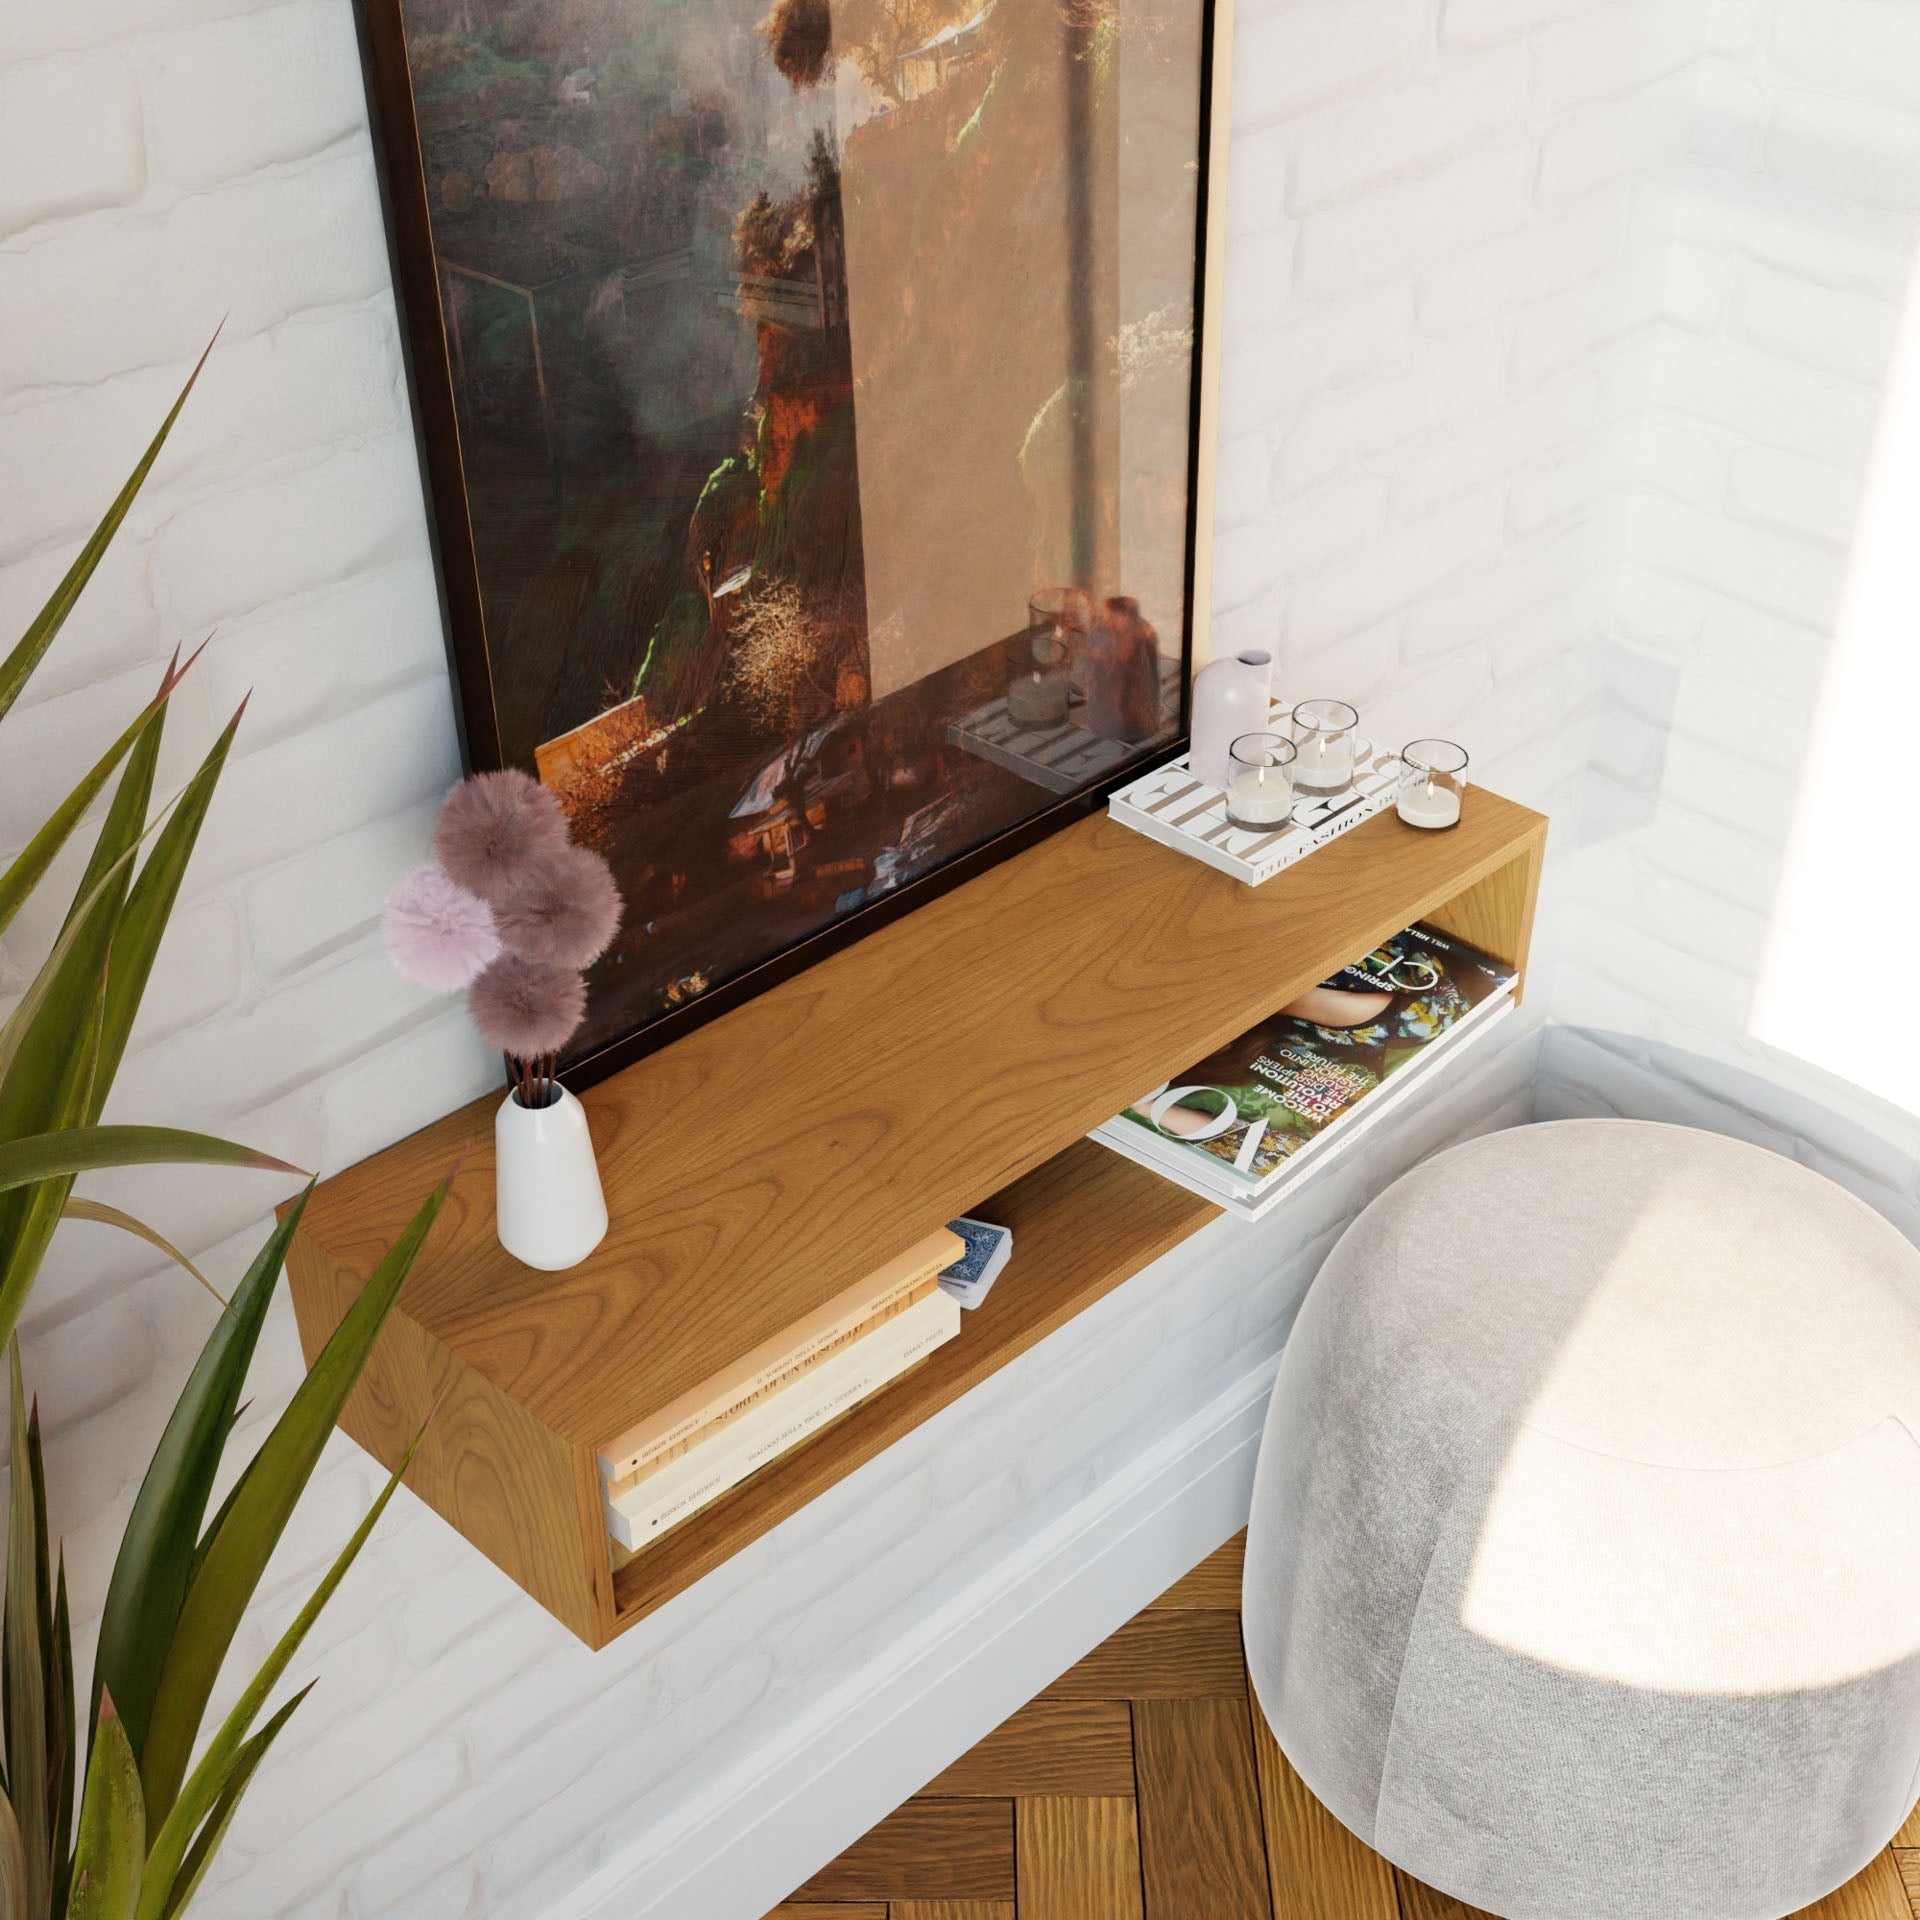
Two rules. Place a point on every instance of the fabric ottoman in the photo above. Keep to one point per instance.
(1583, 1578)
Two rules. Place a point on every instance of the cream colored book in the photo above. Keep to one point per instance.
(781, 1358)
(781, 1422)
(660, 1461)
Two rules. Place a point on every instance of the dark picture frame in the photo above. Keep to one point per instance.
(419, 283)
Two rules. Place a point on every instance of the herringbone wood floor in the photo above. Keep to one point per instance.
(1144, 1785)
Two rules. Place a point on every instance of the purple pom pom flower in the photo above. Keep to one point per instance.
(565, 914)
(527, 1011)
(497, 830)
(437, 932)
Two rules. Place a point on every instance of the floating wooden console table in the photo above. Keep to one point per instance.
(949, 1063)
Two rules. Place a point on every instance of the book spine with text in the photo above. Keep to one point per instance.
(786, 1354)
(780, 1423)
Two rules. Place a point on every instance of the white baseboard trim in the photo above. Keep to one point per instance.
(797, 1802)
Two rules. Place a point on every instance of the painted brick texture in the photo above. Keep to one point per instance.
(1790, 222)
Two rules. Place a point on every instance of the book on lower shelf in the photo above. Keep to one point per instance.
(659, 1501)
(778, 1361)
(1249, 1124)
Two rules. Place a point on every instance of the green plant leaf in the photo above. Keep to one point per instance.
(249, 1525)
(27, 1012)
(149, 905)
(20, 663)
(98, 1213)
(206, 1843)
(30, 867)
(48, 1082)
(208, 1782)
(60, 1736)
(112, 1842)
(37, 1087)
(13, 1864)
(47, 1156)
(156, 1555)
(24, 1651)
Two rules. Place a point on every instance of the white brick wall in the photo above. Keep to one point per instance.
(1551, 365)
(1790, 220)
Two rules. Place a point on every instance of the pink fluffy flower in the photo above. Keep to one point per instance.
(496, 831)
(526, 1010)
(437, 932)
(564, 914)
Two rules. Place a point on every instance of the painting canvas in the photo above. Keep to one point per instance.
(808, 392)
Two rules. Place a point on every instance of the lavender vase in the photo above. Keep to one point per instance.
(1230, 697)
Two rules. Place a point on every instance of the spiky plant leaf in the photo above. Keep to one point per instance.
(61, 1744)
(30, 866)
(156, 1555)
(27, 654)
(149, 905)
(111, 1844)
(206, 1843)
(249, 1525)
(210, 1780)
(24, 1651)
(13, 1864)
(47, 1156)
(99, 1214)
(48, 1082)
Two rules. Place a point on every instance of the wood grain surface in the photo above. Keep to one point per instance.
(897, 1083)
(1217, 1825)
(1078, 1859)
(931, 1849)
(1050, 1747)
(1174, 1654)
(1316, 1869)
(1878, 1893)
(1083, 1224)
(1201, 1846)
(950, 1063)
(1421, 1902)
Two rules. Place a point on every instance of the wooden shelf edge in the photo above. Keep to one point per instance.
(1152, 964)
(1083, 1223)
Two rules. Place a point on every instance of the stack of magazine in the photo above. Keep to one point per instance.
(1245, 1126)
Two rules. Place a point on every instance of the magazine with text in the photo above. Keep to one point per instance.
(1245, 1111)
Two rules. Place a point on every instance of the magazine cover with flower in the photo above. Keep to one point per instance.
(1252, 1104)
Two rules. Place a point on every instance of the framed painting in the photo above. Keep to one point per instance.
(814, 397)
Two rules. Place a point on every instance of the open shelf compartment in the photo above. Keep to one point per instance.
(950, 1063)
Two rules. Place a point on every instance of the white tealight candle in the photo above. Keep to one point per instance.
(1037, 699)
(1260, 797)
(1428, 805)
(1326, 765)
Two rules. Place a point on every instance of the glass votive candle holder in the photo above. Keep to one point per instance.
(1058, 622)
(1327, 734)
(1260, 782)
(1433, 783)
(1038, 696)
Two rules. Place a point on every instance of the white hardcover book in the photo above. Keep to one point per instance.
(1136, 1143)
(781, 1422)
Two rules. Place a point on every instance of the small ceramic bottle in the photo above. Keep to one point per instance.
(1230, 698)
(1123, 673)
(549, 1209)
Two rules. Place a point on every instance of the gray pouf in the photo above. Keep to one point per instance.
(1583, 1579)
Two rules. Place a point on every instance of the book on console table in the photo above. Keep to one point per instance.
(780, 1421)
(1250, 1122)
(785, 1357)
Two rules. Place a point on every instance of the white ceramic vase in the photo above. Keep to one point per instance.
(548, 1206)
(1231, 696)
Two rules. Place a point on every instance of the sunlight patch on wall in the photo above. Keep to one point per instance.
(1845, 938)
